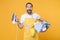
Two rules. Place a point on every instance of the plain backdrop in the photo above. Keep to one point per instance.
(48, 9)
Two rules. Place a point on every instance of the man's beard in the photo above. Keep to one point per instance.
(29, 12)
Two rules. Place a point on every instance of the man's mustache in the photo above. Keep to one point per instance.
(29, 10)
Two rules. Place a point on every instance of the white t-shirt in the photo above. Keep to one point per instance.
(26, 15)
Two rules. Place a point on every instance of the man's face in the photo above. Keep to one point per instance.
(29, 8)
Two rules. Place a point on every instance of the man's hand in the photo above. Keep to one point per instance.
(20, 25)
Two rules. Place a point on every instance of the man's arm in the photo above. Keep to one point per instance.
(20, 25)
(43, 21)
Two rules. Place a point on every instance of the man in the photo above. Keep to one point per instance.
(28, 14)
(29, 8)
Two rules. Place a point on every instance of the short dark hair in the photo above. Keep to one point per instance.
(29, 3)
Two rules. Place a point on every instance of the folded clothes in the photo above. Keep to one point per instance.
(41, 26)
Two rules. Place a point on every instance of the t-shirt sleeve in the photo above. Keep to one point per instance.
(38, 16)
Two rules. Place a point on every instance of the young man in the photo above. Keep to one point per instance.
(29, 8)
(28, 14)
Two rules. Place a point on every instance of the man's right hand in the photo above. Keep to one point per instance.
(20, 25)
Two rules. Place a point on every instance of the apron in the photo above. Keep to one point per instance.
(29, 30)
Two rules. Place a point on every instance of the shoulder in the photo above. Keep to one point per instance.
(23, 15)
(35, 14)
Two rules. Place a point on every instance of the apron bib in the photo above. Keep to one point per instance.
(29, 30)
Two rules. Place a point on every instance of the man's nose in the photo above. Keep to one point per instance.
(29, 8)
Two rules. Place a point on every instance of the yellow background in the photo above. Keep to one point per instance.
(48, 9)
